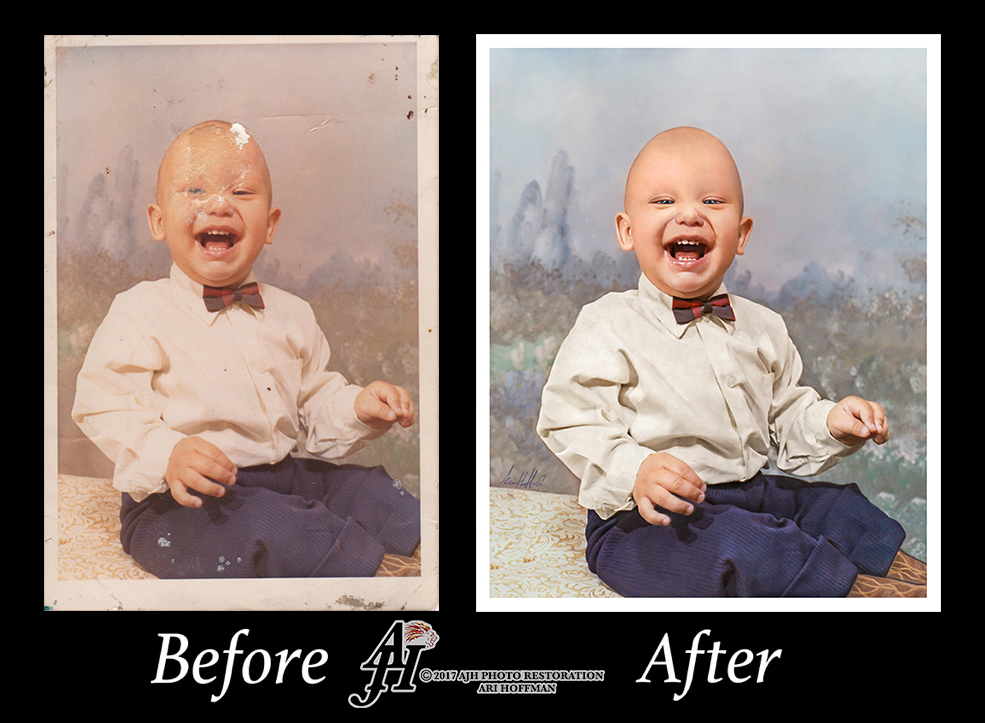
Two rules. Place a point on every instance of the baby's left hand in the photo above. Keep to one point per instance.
(854, 420)
(380, 404)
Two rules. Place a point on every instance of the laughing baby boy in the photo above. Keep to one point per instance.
(666, 401)
(197, 387)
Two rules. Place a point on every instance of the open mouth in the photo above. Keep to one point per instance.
(216, 240)
(687, 249)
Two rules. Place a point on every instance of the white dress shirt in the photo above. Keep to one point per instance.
(629, 381)
(161, 367)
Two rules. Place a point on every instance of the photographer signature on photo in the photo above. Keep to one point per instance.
(525, 480)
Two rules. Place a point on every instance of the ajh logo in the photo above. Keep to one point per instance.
(398, 650)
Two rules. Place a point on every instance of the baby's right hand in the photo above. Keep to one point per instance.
(662, 480)
(193, 464)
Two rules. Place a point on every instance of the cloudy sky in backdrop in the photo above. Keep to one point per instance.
(331, 118)
(831, 143)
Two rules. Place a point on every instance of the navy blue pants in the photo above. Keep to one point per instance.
(296, 518)
(768, 537)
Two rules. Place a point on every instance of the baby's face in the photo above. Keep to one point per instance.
(683, 216)
(213, 205)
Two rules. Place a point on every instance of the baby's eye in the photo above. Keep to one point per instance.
(193, 191)
(712, 201)
(242, 192)
(663, 201)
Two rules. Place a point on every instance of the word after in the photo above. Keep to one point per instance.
(734, 669)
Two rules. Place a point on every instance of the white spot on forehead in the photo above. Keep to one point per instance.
(242, 137)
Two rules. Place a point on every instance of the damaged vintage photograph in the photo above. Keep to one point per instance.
(241, 323)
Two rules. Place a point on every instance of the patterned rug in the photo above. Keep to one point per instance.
(89, 532)
(537, 546)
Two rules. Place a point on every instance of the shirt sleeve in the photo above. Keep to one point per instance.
(583, 422)
(327, 403)
(798, 420)
(116, 409)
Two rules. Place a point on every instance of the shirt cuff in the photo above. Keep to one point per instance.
(347, 405)
(336, 431)
(822, 437)
(615, 493)
(140, 472)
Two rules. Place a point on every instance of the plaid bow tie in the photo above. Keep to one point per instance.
(217, 298)
(686, 310)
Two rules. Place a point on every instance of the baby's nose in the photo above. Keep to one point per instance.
(689, 215)
(217, 203)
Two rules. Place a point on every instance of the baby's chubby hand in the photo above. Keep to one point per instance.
(662, 480)
(380, 404)
(854, 420)
(199, 465)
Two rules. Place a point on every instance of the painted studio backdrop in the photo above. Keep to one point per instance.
(831, 146)
(334, 121)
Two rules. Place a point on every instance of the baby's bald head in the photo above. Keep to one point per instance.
(209, 145)
(679, 143)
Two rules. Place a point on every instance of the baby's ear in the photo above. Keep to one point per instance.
(624, 231)
(273, 219)
(155, 219)
(745, 228)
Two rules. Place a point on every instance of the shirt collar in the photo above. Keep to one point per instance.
(661, 305)
(189, 293)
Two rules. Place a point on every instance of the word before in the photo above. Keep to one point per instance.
(739, 659)
(256, 665)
